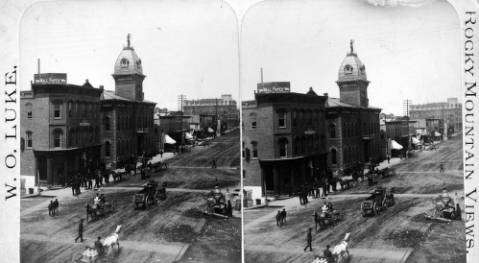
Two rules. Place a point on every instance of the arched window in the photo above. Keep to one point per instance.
(332, 130)
(252, 116)
(57, 138)
(348, 69)
(124, 63)
(71, 134)
(107, 149)
(283, 147)
(29, 110)
(254, 145)
(29, 139)
(334, 157)
(70, 108)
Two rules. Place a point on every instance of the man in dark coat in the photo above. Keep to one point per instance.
(309, 239)
(328, 255)
(50, 208)
(55, 207)
(283, 216)
(80, 231)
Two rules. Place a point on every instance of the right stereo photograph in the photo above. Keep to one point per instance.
(352, 132)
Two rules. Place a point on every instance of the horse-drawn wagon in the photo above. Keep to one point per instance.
(216, 203)
(149, 195)
(327, 217)
(380, 199)
(101, 251)
(99, 209)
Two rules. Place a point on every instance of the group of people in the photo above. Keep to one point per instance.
(52, 207)
(86, 180)
(281, 217)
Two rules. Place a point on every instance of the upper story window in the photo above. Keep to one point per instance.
(252, 117)
(254, 145)
(332, 130)
(57, 138)
(29, 139)
(107, 149)
(282, 119)
(70, 108)
(57, 110)
(29, 110)
(106, 123)
(283, 147)
(334, 158)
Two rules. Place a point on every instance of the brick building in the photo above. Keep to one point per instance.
(224, 108)
(60, 130)
(353, 126)
(127, 119)
(284, 141)
(450, 112)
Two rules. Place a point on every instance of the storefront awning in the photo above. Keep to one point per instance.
(395, 145)
(169, 140)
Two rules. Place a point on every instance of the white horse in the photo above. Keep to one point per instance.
(111, 240)
(340, 251)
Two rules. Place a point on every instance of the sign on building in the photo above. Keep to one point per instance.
(50, 78)
(274, 87)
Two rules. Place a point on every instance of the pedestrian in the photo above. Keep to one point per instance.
(389, 158)
(213, 164)
(80, 231)
(90, 181)
(55, 207)
(309, 239)
(283, 216)
(229, 209)
(97, 181)
(50, 208)
(278, 218)
(161, 154)
(99, 246)
(72, 184)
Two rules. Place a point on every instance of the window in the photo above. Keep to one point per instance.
(57, 138)
(243, 151)
(124, 63)
(29, 139)
(282, 119)
(255, 149)
(332, 130)
(348, 69)
(57, 110)
(253, 124)
(70, 106)
(283, 147)
(106, 123)
(244, 174)
(334, 159)
(28, 109)
(107, 149)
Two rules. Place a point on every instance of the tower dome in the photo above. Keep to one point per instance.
(128, 61)
(352, 68)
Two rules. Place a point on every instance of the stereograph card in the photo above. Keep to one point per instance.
(239, 131)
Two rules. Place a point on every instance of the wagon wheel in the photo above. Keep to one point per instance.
(147, 199)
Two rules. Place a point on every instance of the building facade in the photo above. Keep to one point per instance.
(354, 136)
(284, 141)
(60, 126)
(127, 119)
(223, 109)
(450, 112)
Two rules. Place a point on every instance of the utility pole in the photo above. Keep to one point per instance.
(181, 99)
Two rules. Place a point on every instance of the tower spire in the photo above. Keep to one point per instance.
(128, 40)
(351, 43)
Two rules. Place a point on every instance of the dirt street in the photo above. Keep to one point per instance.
(399, 234)
(174, 230)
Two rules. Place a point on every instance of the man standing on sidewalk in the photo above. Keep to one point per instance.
(80, 231)
(309, 239)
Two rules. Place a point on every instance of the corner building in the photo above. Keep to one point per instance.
(353, 126)
(127, 119)
(284, 141)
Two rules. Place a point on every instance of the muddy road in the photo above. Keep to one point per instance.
(398, 234)
(174, 230)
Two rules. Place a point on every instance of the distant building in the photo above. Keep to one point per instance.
(224, 109)
(450, 112)
(60, 131)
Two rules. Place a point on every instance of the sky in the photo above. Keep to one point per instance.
(186, 47)
(409, 52)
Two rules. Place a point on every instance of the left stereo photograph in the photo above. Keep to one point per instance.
(129, 127)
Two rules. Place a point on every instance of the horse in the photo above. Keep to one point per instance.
(340, 251)
(109, 242)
